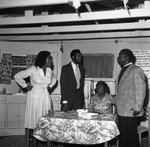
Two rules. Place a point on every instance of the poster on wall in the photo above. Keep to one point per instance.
(143, 60)
(6, 69)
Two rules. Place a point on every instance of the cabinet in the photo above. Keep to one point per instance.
(16, 114)
(12, 114)
(2, 112)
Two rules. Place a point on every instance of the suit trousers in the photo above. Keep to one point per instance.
(78, 101)
(128, 131)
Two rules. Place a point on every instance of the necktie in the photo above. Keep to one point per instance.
(77, 75)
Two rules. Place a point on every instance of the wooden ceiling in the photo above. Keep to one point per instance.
(54, 20)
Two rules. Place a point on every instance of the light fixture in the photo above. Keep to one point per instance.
(148, 20)
(126, 6)
(76, 4)
(61, 47)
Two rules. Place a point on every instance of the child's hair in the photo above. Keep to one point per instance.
(105, 86)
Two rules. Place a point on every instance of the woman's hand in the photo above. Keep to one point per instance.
(49, 89)
(29, 87)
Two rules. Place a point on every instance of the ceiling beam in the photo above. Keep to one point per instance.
(27, 3)
(81, 28)
(89, 16)
(84, 36)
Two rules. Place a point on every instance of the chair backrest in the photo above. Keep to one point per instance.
(147, 119)
(147, 115)
(149, 123)
(113, 109)
(114, 106)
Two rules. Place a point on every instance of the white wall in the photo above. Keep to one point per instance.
(105, 46)
(23, 49)
(90, 46)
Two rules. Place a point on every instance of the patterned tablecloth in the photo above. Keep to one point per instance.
(70, 128)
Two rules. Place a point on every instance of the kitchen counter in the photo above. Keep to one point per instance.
(12, 94)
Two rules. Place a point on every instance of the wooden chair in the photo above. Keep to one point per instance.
(143, 129)
(114, 111)
(28, 136)
(31, 140)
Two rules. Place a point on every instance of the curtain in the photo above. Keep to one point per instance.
(98, 65)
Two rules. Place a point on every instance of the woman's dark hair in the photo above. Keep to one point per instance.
(105, 86)
(41, 58)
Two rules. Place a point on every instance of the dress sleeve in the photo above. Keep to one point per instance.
(19, 77)
(139, 88)
(53, 79)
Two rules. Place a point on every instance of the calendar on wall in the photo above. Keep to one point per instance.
(143, 60)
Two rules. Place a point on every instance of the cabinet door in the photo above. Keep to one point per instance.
(13, 115)
(22, 108)
(2, 114)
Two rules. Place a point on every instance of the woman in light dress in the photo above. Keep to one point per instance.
(42, 78)
(102, 101)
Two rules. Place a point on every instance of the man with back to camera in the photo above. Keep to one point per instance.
(131, 90)
(72, 83)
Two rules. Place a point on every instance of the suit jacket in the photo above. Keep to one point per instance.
(131, 91)
(68, 84)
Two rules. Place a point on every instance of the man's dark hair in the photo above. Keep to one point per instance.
(41, 58)
(74, 52)
(129, 54)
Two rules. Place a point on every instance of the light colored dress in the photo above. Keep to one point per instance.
(38, 99)
(101, 105)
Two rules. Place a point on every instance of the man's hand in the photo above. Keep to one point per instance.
(135, 113)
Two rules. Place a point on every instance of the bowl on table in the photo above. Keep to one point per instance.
(81, 111)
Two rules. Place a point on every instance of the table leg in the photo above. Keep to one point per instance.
(27, 137)
(106, 144)
(49, 144)
(35, 142)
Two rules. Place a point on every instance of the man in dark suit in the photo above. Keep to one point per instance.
(72, 83)
(131, 90)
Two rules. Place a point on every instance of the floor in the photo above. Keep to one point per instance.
(12, 141)
(16, 141)
(19, 141)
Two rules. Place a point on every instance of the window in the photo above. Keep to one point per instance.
(98, 65)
